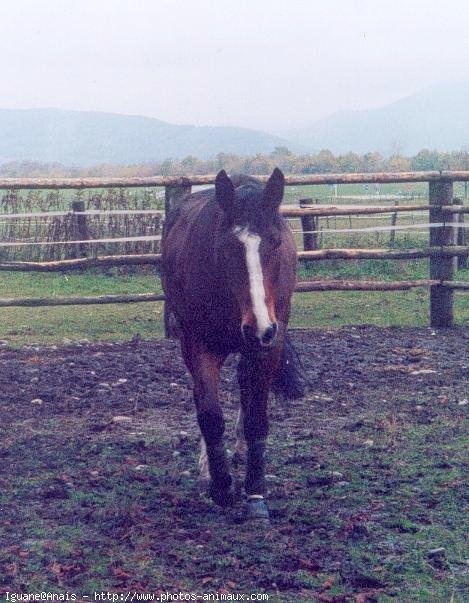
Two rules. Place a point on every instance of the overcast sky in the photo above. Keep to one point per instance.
(266, 64)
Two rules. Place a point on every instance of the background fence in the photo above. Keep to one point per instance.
(73, 237)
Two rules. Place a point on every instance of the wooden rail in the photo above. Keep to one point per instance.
(169, 181)
(298, 212)
(111, 261)
(302, 287)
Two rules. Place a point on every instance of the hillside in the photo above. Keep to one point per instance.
(436, 118)
(85, 138)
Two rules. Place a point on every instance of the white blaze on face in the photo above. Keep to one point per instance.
(251, 244)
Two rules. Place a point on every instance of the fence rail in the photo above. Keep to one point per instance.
(177, 182)
(303, 256)
(445, 219)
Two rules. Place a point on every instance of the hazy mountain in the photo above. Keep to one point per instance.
(436, 118)
(85, 138)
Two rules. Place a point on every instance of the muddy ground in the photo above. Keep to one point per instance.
(98, 486)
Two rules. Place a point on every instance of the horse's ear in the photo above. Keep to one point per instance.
(273, 192)
(224, 191)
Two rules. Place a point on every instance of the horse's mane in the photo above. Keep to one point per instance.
(244, 179)
(251, 188)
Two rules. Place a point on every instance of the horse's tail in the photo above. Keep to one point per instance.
(289, 380)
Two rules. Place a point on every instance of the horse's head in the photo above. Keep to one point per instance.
(249, 250)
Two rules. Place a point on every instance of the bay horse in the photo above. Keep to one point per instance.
(228, 272)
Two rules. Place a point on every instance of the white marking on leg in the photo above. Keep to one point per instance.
(204, 473)
(251, 244)
(240, 446)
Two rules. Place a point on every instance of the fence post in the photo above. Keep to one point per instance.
(461, 262)
(308, 224)
(80, 228)
(392, 234)
(441, 268)
(173, 197)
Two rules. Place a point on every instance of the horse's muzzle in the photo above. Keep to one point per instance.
(265, 339)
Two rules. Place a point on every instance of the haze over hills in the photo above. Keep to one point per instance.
(86, 138)
(435, 118)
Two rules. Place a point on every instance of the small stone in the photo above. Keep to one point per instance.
(92, 372)
(176, 453)
(173, 385)
(121, 419)
(122, 380)
(183, 434)
(368, 443)
(185, 473)
(423, 372)
(342, 483)
(34, 380)
(3, 342)
(37, 401)
(94, 473)
(463, 402)
(271, 476)
(84, 341)
(438, 552)
(104, 384)
(31, 542)
(337, 474)
(419, 408)
(140, 467)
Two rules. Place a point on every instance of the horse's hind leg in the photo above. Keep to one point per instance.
(205, 369)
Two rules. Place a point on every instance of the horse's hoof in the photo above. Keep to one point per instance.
(256, 510)
(223, 497)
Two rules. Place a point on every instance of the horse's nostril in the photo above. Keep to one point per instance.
(269, 334)
(252, 337)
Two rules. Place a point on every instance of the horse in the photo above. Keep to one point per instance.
(228, 272)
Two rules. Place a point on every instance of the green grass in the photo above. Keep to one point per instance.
(50, 325)
(25, 326)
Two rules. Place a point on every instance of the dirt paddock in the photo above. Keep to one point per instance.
(98, 491)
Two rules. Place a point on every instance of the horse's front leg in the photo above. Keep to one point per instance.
(255, 376)
(205, 369)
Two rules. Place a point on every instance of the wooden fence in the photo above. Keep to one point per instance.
(445, 220)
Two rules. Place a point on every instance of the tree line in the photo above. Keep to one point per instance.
(313, 163)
